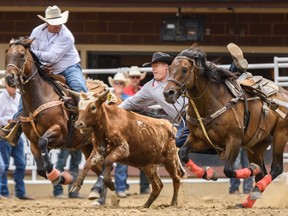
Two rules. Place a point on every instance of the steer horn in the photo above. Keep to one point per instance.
(103, 94)
(74, 93)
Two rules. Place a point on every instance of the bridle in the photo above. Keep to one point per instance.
(19, 74)
(183, 86)
(184, 93)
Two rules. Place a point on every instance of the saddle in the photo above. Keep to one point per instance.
(262, 89)
(257, 85)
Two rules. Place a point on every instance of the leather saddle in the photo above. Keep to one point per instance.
(253, 84)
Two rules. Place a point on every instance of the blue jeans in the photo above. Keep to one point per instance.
(241, 161)
(74, 79)
(75, 160)
(2, 170)
(182, 134)
(17, 153)
(144, 183)
(121, 175)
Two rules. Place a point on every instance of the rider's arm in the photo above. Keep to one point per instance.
(138, 101)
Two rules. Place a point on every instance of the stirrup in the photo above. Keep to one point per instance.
(10, 133)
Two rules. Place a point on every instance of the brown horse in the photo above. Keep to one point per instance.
(45, 120)
(216, 120)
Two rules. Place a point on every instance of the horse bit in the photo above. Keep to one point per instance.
(20, 70)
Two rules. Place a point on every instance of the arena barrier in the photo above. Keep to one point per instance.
(30, 163)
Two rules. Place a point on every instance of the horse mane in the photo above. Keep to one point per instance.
(212, 71)
(26, 42)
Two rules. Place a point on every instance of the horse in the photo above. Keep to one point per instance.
(217, 120)
(46, 120)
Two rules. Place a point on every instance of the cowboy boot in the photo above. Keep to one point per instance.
(11, 132)
(238, 57)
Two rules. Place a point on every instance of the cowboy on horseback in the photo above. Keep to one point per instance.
(53, 45)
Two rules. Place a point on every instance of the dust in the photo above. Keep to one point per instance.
(195, 199)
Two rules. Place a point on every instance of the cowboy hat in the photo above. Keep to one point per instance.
(2, 82)
(135, 71)
(53, 16)
(160, 57)
(118, 77)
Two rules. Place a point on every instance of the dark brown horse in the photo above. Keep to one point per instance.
(216, 120)
(45, 119)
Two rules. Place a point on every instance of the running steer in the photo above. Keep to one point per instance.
(132, 139)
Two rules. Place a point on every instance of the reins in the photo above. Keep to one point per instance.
(22, 77)
(183, 90)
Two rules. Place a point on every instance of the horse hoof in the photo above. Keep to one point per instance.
(210, 174)
(95, 204)
(110, 184)
(255, 169)
(237, 206)
(255, 195)
(93, 195)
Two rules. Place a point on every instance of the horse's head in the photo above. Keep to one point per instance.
(17, 69)
(90, 102)
(182, 73)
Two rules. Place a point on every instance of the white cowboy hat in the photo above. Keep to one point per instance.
(135, 71)
(118, 77)
(53, 16)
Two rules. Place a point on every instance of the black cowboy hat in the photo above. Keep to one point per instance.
(159, 57)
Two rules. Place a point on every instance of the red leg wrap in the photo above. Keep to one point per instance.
(248, 203)
(243, 173)
(264, 182)
(68, 177)
(198, 171)
(53, 175)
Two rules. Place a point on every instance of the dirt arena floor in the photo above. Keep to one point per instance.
(197, 199)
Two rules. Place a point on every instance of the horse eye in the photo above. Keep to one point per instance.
(184, 70)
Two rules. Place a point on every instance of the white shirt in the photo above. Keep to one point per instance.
(9, 106)
(55, 50)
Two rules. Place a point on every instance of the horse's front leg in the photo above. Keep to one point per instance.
(232, 153)
(52, 135)
(38, 158)
(208, 174)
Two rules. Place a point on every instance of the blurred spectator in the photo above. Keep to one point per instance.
(118, 83)
(9, 100)
(2, 170)
(75, 160)
(135, 76)
(241, 161)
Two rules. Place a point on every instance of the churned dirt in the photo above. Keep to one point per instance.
(197, 199)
